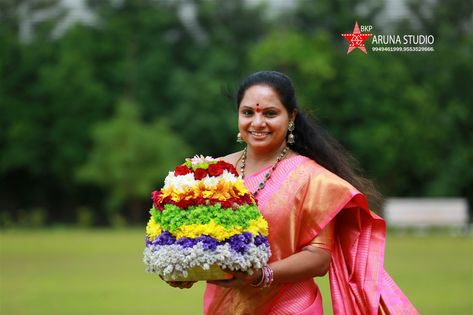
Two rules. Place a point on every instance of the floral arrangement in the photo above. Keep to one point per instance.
(204, 220)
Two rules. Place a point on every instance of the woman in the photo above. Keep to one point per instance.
(318, 219)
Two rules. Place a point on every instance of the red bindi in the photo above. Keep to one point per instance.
(257, 108)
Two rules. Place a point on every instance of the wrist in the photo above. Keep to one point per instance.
(257, 278)
(266, 277)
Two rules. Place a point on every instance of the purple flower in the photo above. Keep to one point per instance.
(186, 242)
(260, 239)
(247, 236)
(164, 238)
(208, 242)
(239, 243)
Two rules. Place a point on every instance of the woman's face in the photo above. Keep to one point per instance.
(262, 119)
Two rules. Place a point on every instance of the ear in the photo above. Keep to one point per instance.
(293, 115)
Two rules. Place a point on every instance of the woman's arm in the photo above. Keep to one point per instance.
(312, 261)
(308, 263)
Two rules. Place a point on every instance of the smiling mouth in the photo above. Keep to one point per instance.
(259, 134)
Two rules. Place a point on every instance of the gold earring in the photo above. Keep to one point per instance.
(290, 138)
(239, 139)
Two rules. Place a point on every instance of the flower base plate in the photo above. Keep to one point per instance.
(198, 273)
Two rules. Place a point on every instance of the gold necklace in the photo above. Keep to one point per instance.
(261, 185)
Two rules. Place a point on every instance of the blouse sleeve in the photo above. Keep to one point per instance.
(325, 239)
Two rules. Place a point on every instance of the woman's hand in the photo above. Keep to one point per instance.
(180, 284)
(308, 263)
(240, 279)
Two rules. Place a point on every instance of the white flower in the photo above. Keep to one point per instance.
(180, 183)
(197, 159)
(175, 260)
(210, 182)
(229, 177)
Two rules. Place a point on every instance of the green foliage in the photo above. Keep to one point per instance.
(207, 70)
(85, 217)
(406, 117)
(129, 157)
(403, 116)
(32, 218)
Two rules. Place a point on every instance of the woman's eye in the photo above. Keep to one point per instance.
(247, 112)
(270, 114)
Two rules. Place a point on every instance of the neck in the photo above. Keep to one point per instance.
(264, 157)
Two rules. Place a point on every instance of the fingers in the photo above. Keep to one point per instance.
(235, 282)
(184, 285)
(181, 284)
(237, 274)
(239, 279)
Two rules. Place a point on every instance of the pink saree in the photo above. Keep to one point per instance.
(298, 202)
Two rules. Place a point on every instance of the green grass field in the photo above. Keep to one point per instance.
(101, 272)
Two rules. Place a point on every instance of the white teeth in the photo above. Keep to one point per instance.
(259, 134)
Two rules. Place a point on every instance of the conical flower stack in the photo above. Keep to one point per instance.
(204, 220)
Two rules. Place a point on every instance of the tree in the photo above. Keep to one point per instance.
(404, 116)
(205, 72)
(446, 77)
(129, 158)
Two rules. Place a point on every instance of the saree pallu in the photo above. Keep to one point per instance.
(299, 200)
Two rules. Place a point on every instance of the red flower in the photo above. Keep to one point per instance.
(226, 166)
(226, 204)
(215, 169)
(247, 199)
(156, 196)
(200, 201)
(231, 169)
(184, 204)
(182, 170)
(199, 173)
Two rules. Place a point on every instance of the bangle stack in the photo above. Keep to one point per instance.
(266, 278)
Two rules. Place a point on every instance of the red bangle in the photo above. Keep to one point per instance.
(261, 280)
(267, 277)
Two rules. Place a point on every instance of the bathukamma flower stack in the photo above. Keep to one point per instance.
(204, 220)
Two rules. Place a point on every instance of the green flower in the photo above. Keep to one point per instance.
(173, 217)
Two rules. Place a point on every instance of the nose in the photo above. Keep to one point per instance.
(258, 120)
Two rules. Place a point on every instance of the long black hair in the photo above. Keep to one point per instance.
(311, 140)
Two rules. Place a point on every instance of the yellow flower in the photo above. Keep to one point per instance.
(166, 192)
(220, 232)
(222, 191)
(258, 226)
(212, 229)
(198, 189)
(240, 186)
(153, 229)
(207, 193)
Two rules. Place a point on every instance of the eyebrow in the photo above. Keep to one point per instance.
(262, 107)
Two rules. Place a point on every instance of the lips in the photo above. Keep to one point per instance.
(259, 134)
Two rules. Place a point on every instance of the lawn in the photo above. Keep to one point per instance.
(101, 272)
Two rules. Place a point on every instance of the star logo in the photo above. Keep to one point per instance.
(356, 39)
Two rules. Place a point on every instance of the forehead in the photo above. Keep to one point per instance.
(261, 94)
